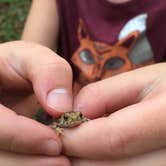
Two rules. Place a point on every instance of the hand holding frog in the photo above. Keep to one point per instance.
(25, 67)
(135, 105)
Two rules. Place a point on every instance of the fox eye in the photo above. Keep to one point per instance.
(86, 56)
(114, 63)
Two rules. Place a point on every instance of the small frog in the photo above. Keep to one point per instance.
(68, 120)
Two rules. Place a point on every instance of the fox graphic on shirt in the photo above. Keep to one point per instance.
(97, 60)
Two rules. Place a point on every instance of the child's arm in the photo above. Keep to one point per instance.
(42, 23)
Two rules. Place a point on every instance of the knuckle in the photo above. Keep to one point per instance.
(59, 63)
(13, 142)
(53, 65)
(47, 58)
(66, 66)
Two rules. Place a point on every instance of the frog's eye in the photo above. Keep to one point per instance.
(81, 115)
(66, 117)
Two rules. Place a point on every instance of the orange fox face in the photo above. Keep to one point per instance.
(96, 60)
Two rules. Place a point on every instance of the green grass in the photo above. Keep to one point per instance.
(12, 17)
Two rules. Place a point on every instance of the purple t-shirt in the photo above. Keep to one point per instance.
(102, 39)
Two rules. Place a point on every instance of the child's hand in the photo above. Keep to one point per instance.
(150, 159)
(25, 67)
(138, 123)
(17, 159)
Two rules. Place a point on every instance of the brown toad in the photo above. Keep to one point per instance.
(68, 120)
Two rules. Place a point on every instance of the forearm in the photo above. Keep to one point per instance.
(42, 24)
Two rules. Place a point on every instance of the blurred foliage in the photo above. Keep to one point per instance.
(12, 17)
(43, 117)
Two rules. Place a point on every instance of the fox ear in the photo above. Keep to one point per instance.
(82, 31)
(129, 41)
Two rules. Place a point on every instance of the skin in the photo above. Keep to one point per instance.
(134, 123)
(37, 28)
(137, 130)
(131, 129)
(23, 140)
(13, 159)
(153, 159)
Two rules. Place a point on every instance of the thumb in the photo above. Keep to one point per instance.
(51, 75)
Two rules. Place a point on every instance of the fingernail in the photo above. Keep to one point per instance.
(79, 108)
(50, 147)
(59, 100)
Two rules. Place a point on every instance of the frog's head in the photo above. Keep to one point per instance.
(71, 119)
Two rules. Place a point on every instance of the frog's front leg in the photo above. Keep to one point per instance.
(58, 130)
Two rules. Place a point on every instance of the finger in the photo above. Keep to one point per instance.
(114, 93)
(50, 74)
(134, 130)
(20, 134)
(14, 159)
(152, 159)
(24, 104)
